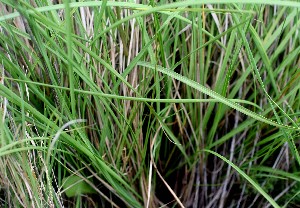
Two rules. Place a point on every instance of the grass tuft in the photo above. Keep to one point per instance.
(150, 104)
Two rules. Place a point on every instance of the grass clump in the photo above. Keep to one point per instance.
(150, 104)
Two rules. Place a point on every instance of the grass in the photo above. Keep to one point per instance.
(151, 104)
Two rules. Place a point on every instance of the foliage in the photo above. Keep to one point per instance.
(151, 104)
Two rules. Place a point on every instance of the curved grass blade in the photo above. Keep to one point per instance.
(253, 183)
(215, 95)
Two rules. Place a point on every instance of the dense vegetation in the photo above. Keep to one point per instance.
(150, 104)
